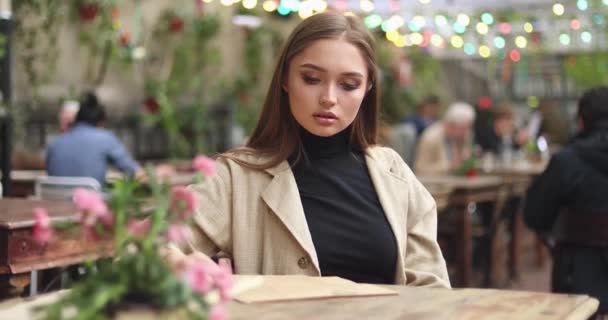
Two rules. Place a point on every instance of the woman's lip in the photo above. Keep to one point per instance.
(327, 115)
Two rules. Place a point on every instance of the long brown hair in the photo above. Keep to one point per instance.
(276, 134)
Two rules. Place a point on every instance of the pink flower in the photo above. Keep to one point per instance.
(93, 207)
(204, 164)
(42, 231)
(183, 201)
(223, 280)
(178, 233)
(217, 312)
(198, 276)
(139, 228)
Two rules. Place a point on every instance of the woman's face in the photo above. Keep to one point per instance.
(326, 84)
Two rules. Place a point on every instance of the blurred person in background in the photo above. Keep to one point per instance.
(427, 112)
(67, 114)
(447, 144)
(551, 123)
(577, 179)
(86, 149)
(502, 136)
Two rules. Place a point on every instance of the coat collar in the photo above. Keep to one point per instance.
(283, 198)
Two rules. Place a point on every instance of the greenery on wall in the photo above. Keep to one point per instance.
(588, 69)
(37, 26)
(398, 101)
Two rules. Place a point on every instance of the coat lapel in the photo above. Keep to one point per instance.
(388, 188)
(283, 198)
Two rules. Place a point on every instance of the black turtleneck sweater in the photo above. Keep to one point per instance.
(351, 234)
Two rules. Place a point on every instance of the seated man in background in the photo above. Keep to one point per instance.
(577, 179)
(426, 114)
(447, 144)
(86, 149)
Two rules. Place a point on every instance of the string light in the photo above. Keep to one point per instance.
(373, 21)
(420, 21)
(564, 39)
(250, 4)
(505, 28)
(558, 9)
(482, 28)
(270, 5)
(463, 19)
(484, 51)
(586, 36)
(528, 27)
(499, 42)
(487, 18)
(514, 55)
(416, 38)
(367, 6)
(441, 20)
(575, 24)
(392, 35)
(469, 48)
(456, 41)
(582, 5)
(436, 40)
(521, 42)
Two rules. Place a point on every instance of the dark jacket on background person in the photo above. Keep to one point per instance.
(576, 179)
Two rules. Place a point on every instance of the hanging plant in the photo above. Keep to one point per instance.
(98, 32)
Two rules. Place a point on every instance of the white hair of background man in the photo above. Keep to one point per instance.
(459, 112)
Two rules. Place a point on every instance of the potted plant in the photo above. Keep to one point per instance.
(137, 222)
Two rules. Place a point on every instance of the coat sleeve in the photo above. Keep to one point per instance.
(549, 192)
(423, 261)
(212, 231)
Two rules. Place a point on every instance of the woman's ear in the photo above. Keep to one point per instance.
(369, 86)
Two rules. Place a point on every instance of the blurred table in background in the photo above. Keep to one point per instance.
(462, 194)
(20, 253)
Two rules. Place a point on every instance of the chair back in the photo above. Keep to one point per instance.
(62, 188)
(403, 140)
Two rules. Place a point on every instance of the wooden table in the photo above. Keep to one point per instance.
(411, 303)
(419, 303)
(20, 253)
(465, 191)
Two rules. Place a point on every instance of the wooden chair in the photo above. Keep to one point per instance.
(62, 188)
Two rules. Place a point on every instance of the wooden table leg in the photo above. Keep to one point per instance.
(465, 248)
(515, 246)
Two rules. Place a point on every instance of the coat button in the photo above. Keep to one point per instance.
(303, 262)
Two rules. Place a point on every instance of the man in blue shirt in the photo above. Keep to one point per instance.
(86, 149)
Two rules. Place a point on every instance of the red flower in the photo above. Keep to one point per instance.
(471, 173)
(151, 105)
(176, 25)
(125, 38)
(88, 11)
(42, 231)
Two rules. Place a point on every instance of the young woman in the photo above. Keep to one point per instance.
(311, 193)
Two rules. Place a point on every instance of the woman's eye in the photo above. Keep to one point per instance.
(311, 80)
(350, 86)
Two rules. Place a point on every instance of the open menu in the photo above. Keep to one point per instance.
(259, 289)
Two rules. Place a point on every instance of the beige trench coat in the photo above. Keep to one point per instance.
(256, 217)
